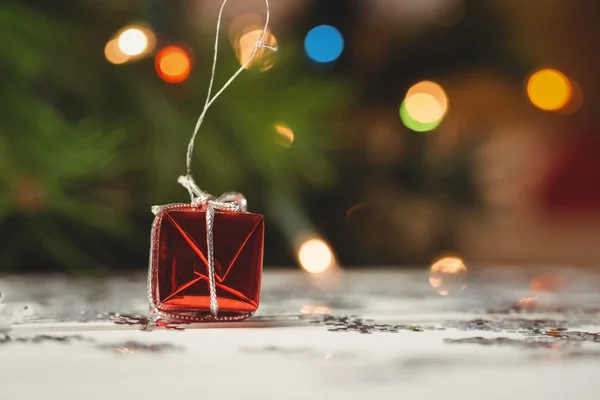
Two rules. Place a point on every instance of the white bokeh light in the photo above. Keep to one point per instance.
(315, 256)
(133, 42)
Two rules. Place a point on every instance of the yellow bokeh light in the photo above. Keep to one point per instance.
(315, 256)
(113, 54)
(448, 276)
(549, 89)
(133, 41)
(424, 108)
(426, 102)
(285, 135)
(244, 47)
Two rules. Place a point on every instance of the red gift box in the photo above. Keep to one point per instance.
(179, 279)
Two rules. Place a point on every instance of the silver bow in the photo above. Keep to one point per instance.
(230, 201)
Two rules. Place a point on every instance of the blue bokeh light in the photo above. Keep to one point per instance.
(324, 44)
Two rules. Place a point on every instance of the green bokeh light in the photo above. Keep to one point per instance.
(415, 125)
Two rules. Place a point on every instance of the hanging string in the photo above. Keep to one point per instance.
(195, 192)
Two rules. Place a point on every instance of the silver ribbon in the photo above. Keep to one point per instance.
(230, 201)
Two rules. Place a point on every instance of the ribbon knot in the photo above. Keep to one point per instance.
(230, 201)
(261, 43)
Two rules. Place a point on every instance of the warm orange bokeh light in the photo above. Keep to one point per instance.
(448, 276)
(426, 102)
(113, 54)
(173, 64)
(244, 46)
(285, 135)
(549, 89)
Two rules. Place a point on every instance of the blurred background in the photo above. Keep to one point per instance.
(382, 133)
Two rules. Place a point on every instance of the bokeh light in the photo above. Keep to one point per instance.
(285, 135)
(113, 54)
(173, 64)
(424, 106)
(549, 89)
(448, 276)
(413, 124)
(133, 41)
(315, 256)
(324, 44)
(244, 46)
(426, 102)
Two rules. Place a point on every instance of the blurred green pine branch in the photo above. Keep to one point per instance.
(87, 147)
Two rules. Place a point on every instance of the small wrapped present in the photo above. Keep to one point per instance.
(206, 259)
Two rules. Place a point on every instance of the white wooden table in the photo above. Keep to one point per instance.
(66, 344)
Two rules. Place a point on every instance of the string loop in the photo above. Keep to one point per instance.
(188, 181)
